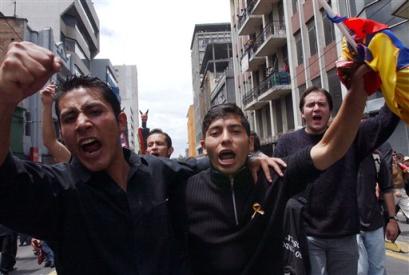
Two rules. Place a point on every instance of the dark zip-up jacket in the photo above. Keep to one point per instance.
(226, 234)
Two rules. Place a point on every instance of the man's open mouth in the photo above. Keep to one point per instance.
(316, 118)
(90, 145)
(226, 157)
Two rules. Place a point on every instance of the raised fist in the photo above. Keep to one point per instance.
(24, 70)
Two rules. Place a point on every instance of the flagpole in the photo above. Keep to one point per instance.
(341, 26)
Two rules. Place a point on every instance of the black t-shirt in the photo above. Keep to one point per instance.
(332, 209)
(226, 234)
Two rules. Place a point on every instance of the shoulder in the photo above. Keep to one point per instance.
(200, 178)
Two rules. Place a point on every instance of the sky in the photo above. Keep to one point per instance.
(155, 35)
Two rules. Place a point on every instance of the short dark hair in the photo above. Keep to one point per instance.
(319, 90)
(221, 111)
(159, 131)
(75, 82)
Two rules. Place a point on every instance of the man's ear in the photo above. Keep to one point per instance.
(202, 143)
(122, 121)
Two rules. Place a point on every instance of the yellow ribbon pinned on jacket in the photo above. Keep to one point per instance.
(257, 209)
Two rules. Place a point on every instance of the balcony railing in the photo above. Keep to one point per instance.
(250, 96)
(273, 28)
(276, 78)
(246, 12)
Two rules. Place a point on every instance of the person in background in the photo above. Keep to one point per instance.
(159, 144)
(400, 177)
(331, 215)
(55, 148)
(375, 169)
(8, 244)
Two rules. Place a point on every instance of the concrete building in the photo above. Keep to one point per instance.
(74, 23)
(274, 37)
(127, 76)
(191, 139)
(203, 34)
(260, 60)
(218, 76)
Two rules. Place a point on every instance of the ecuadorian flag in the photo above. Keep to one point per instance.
(388, 57)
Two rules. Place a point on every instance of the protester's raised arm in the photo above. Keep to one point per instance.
(342, 131)
(59, 152)
(23, 71)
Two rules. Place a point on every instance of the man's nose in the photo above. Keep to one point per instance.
(226, 136)
(82, 122)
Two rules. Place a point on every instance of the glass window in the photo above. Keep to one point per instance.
(316, 82)
(329, 30)
(312, 37)
(294, 2)
(298, 44)
(335, 90)
(28, 124)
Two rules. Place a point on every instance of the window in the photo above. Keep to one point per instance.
(335, 90)
(329, 30)
(298, 44)
(28, 123)
(295, 8)
(316, 82)
(312, 36)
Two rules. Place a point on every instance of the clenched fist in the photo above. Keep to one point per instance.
(25, 69)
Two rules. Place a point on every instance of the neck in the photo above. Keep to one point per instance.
(314, 132)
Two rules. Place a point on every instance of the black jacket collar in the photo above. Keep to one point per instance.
(241, 178)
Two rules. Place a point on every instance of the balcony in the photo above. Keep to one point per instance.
(251, 101)
(272, 38)
(249, 97)
(249, 60)
(274, 86)
(263, 6)
(248, 23)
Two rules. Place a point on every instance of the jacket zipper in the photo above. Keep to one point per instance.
(234, 200)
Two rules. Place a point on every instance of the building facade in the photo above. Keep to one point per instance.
(127, 76)
(74, 23)
(203, 34)
(260, 60)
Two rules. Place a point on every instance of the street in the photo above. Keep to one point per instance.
(396, 263)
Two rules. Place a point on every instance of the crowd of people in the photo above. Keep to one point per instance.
(102, 209)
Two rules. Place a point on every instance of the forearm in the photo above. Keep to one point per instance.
(6, 114)
(342, 131)
(49, 136)
(390, 203)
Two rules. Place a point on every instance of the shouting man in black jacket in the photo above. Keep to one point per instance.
(235, 223)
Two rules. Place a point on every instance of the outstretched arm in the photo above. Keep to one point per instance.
(59, 152)
(342, 131)
(26, 67)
